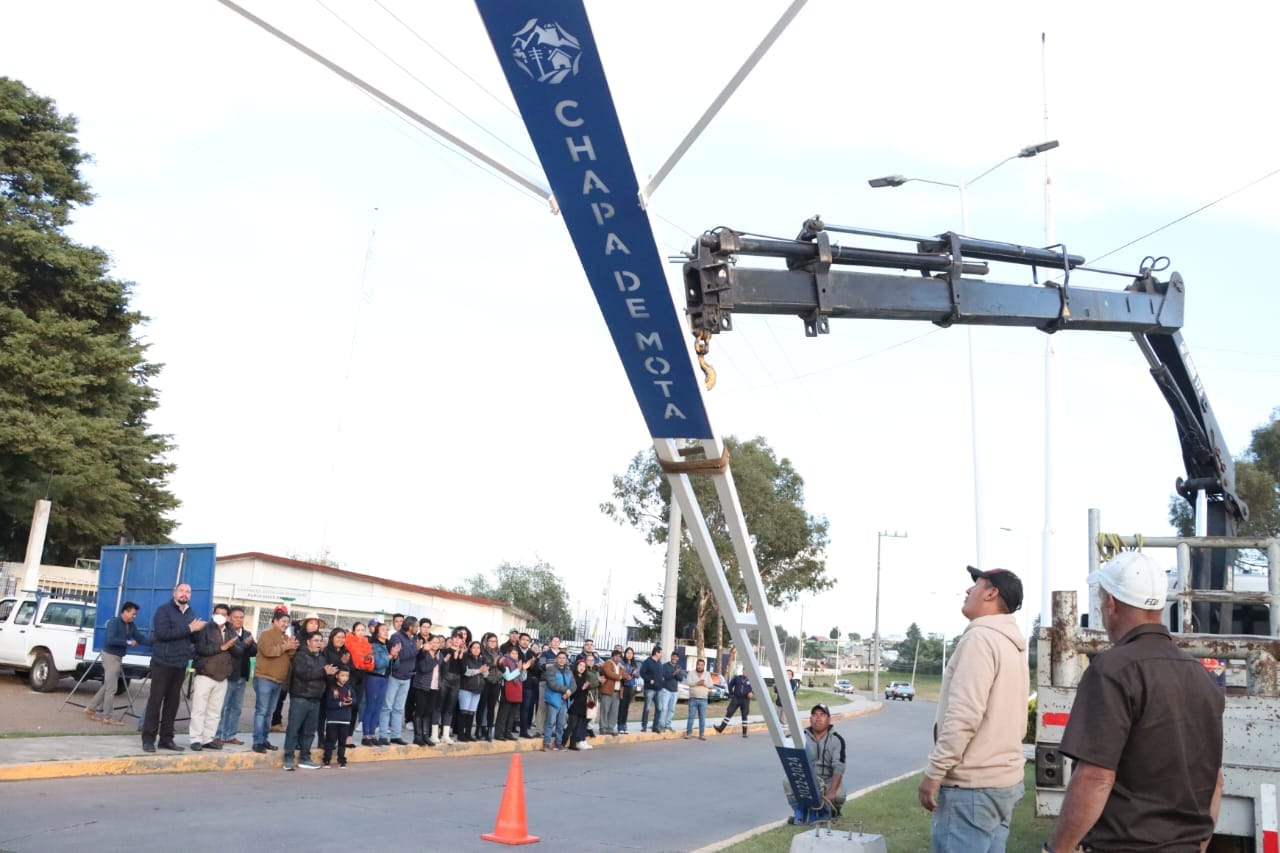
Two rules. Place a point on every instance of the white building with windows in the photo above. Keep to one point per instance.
(261, 582)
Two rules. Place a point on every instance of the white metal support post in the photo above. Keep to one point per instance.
(740, 623)
(875, 649)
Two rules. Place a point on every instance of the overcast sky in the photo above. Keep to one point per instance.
(378, 351)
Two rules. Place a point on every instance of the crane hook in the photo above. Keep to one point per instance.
(702, 346)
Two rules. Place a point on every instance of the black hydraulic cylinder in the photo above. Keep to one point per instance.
(795, 251)
(992, 250)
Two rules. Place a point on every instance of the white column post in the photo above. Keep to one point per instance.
(667, 637)
(35, 545)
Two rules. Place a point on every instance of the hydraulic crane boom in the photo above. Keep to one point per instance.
(817, 285)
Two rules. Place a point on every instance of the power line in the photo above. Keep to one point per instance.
(423, 84)
(524, 192)
(494, 164)
(1187, 215)
(455, 66)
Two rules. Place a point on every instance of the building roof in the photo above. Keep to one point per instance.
(332, 570)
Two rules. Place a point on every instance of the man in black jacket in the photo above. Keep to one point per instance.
(244, 651)
(171, 651)
(214, 664)
(306, 690)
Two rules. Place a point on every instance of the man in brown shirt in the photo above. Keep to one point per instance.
(1145, 729)
(276, 648)
(612, 674)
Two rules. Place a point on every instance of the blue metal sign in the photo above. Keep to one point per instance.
(146, 575)
(549, 56)
(810, 805)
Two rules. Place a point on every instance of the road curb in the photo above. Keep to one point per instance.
(208, 761)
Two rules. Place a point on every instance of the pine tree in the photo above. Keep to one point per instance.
(74, 392)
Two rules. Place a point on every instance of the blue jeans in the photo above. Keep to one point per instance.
(699, 707)
(650, 701)
(468, 701)
(300, 733)
(231, 707)
(391, 719)
(972, 820)
(375, 694)
(265, 694)
(553, 729)
(528, 706)
(667, 707)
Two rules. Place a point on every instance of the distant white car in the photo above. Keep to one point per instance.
(900, 690)
(844, 685)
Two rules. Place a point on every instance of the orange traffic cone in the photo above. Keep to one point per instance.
(511, 827)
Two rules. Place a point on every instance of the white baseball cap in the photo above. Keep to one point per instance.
(1134, 579)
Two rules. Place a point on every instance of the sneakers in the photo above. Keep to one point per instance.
(324, 765)
(271, 746)
(277, 727)
(307, 764)
(197, 746)
(686, 737)
(702, 737)
(744, 731)
(584, 745)
(719, 727)
(260, 748)
(288, 765)
(399, 741)
(341, 764)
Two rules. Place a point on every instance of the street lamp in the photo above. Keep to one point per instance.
(875, 640)
(963, 188)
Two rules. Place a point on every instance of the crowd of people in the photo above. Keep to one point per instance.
(366, 686)
(1147, 718)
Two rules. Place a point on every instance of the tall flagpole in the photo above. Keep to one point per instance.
(1047, 572)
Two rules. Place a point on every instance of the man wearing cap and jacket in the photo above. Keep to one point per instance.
(1145, 729)
(826, 751)
(975, 771)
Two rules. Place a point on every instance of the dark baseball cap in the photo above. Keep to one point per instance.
(1006, 583)
(821, 707)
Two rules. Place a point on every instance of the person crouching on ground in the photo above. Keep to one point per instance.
(826, 750)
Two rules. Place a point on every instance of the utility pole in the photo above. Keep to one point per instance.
(875, 649)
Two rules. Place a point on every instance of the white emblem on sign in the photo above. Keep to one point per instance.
(546, 52)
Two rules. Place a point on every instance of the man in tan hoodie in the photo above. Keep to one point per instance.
(975, 771)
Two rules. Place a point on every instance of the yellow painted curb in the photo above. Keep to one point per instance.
(212, 761)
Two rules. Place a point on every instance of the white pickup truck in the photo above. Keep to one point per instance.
(45, 638)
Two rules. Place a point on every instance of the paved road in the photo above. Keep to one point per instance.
(652, 790)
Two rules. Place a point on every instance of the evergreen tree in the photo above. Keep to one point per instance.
(74, 393)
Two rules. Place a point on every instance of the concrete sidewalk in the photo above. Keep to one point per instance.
(26, 758)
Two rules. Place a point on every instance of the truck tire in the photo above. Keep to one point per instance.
(44, 675)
